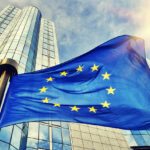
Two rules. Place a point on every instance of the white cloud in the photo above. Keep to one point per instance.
(82, 25)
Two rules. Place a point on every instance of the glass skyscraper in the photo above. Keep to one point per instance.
(31, 40)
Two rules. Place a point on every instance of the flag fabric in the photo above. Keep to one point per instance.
(108, 86)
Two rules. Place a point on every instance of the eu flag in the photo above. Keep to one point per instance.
(108, 86)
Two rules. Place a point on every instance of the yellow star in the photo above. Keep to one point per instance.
(106, 76)
(45, 100)
(63, 73)
(106, 104)
(74, 108)
(110, 90)
(43, 89)
(79, 69)
(94, 67)
(56, 105)
(92, 109)
(50, 79)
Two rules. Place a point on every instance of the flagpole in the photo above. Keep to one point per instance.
(8, 68)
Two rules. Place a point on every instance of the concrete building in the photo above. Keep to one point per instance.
(31, 40)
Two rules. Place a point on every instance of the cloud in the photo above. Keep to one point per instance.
(23, 3)
(82, 25)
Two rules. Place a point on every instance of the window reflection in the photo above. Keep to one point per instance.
(135, 132)
(143, 132)
(33, 130)
(12, 148)
(64, 125)
(130, 140)
(20, 125)
(66, 136)
(147, 139)
(57, 146)
(5, 134)
(16, 137)
(43, 144)
(140, 141)
(44, 132)
(66, 147)
(45, 51)
(3, 146)
(32, 143)
(56, 132)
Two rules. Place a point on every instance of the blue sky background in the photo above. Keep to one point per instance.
(84, 24)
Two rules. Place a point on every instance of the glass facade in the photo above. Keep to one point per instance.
(31, 41)
(138, 137)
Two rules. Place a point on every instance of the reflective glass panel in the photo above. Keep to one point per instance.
(43, 144)
(52, 53)
(15, 141)
(146, 139)
(3, 16)
(57, 146)
(66, 147)
(32, 143)
(50, 33)
(135, 132)
(148, 132)
(126, 131)
(45, 36)
(6, 21)
(3, 146)
(23, 60)
(139, 140)
(5, 133)
(56, 132)
(51, 47)
(143, 131)
(20, 125)
(51, 42)
(1, 29)
(26, 49)
(12, 148)
(64, 124)
(9, 18)
(130, 140)
(45, 45)
(4, 25)
(66, 136)
(45, 51)
(45, 40)
(44, 132)
(33, 130)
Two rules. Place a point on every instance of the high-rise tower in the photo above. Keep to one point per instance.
(31, 41)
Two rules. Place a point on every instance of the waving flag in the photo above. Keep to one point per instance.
(109, 86)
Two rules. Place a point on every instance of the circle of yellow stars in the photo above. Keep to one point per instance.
(106, 76)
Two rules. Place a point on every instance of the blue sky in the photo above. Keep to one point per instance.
(84, 24)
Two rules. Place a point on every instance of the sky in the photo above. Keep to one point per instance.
(82, 25)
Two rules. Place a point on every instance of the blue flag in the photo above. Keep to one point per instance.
(108, 86)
